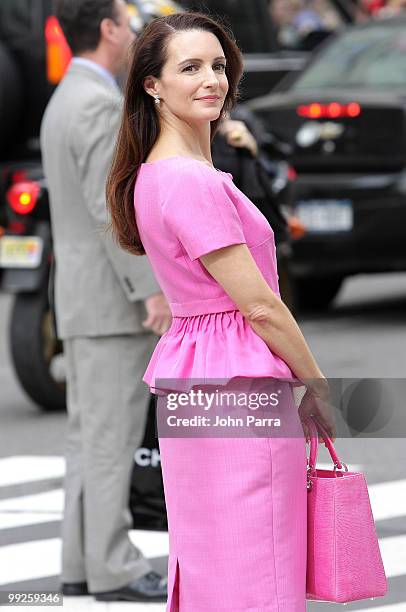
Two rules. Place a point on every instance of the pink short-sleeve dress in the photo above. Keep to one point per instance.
(236, 506)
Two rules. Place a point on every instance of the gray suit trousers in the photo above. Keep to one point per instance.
(107, 410)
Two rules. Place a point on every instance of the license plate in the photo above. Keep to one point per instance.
(20, 251)
(326, 215)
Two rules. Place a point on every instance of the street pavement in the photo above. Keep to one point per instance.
(364, 335)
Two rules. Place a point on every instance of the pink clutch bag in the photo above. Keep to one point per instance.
(344, 562)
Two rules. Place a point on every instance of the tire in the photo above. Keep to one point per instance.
(34, 346)
(315, 293)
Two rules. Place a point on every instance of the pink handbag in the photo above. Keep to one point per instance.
(344, 562)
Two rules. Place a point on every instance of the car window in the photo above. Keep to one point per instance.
(373, 57)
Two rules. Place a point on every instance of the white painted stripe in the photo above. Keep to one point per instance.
(48, 502)
(11, 520)
(41, 558)
(85, 604)
(393, 551)
(30, 560)
(31, 509)
(48, 506)
(399, 607)
(152, 543)
(388, 500)
(21, 468)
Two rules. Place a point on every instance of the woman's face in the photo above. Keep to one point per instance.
(195, 68)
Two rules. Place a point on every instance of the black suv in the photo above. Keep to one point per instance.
(345, 119)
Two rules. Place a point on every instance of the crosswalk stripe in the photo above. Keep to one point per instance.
(399, 607)
(41, 558)
(393, 551)
(87, 604)
(152, 544)
(30, 560)
(31, 509)
(32, 468)
(26, 468)
(388, 499)
(48, 501)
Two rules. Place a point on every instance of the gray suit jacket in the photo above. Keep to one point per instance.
(99, 288)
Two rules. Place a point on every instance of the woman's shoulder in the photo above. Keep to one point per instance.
(178, 166)
(183, 174)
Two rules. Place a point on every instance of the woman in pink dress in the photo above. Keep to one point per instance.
(236, 505)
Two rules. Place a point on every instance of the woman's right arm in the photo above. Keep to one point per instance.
(234, 268)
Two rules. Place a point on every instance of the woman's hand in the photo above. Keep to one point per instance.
(317, 403)
(237, 135)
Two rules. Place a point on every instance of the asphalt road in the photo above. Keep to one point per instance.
(363, 335)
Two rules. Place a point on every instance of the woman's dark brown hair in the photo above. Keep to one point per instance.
(140, 125)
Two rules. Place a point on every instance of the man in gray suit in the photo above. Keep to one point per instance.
(109, 309)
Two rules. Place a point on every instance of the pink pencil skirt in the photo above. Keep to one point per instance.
(237, 513)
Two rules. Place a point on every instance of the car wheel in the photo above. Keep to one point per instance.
(315, 293)
(36, 351)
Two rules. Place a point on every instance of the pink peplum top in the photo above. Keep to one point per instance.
(185, 209)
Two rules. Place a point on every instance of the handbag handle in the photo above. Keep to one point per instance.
(315, 427)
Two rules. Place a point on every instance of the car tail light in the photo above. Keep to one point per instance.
(58, 53)
(22, 197)
(333, 110)
(292, 174)
(296, 228)
(353, 109)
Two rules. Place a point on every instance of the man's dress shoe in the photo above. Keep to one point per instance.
(74, 589)
(150, 587)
